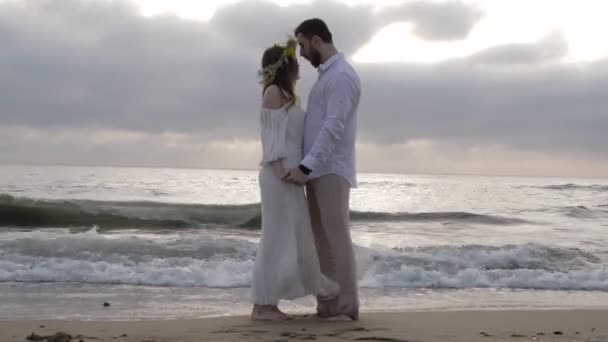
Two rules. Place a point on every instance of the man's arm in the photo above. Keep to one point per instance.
(340, 101)
(339, 104)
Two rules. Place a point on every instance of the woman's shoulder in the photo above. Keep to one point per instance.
(275, 99)
(272, 98)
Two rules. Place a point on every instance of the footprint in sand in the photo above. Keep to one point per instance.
(239, 331)
(339, 332)
(300, 336)
(383, 339)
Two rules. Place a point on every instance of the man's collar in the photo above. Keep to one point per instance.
(328, 63)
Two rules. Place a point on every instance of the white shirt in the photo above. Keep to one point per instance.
(331, 121)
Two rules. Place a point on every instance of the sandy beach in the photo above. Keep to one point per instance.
(537, 325)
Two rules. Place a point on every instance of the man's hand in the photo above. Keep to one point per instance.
(296, 176)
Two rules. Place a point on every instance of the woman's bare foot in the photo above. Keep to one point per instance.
(268, 313)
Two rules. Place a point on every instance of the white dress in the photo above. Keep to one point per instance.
(286, 264)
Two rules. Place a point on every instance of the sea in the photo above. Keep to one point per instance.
(109, 243)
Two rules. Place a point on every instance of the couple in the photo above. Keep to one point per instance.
(306, 247)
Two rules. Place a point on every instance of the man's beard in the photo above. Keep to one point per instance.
(315, 58)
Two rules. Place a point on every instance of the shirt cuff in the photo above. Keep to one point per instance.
(309, 162)
(304, 169)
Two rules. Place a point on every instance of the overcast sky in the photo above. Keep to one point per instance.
(476, 87)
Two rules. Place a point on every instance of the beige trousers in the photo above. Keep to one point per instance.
(328, 203)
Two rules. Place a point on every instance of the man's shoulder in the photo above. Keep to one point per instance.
(345, 66)
(347, 72)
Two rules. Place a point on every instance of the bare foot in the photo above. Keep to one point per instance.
(268, 313)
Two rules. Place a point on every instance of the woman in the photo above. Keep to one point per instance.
(286, 264)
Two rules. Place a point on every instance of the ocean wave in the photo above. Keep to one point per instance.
(438, 216)
(28, 212)
(590, 280)
(580, 211)
(91, 257)
(391, 184)
(572, 186)
(575, 211)
(528, 266)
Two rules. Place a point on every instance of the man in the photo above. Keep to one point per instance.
(328, 167)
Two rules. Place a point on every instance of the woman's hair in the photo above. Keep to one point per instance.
(280, 67)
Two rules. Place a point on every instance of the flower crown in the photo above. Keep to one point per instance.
(270, 72)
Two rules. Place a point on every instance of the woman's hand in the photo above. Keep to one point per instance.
(279, 168)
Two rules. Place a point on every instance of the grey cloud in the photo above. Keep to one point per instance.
(64, 66)
(550, 48)
(556, 107)
(437, 21)
(257, 24)
(119, 70)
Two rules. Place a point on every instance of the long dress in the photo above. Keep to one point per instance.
(286, 264)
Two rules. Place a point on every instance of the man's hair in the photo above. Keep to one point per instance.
(314, 27)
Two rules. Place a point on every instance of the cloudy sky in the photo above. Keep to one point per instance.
(516, 87)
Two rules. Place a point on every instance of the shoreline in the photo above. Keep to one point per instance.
(486, 325)
(61, 301)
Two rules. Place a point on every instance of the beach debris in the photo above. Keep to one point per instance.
(518, 335)
(308, 337)
(59, 337)
(558, 332)
(289, 334)
(485, 334)
(106, 304)
(540, 334)
(35, 337)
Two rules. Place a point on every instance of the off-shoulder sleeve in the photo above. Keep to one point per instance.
(273, 124)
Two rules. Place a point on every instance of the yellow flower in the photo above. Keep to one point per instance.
(290, 52)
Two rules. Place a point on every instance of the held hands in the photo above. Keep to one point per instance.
(296, 176)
